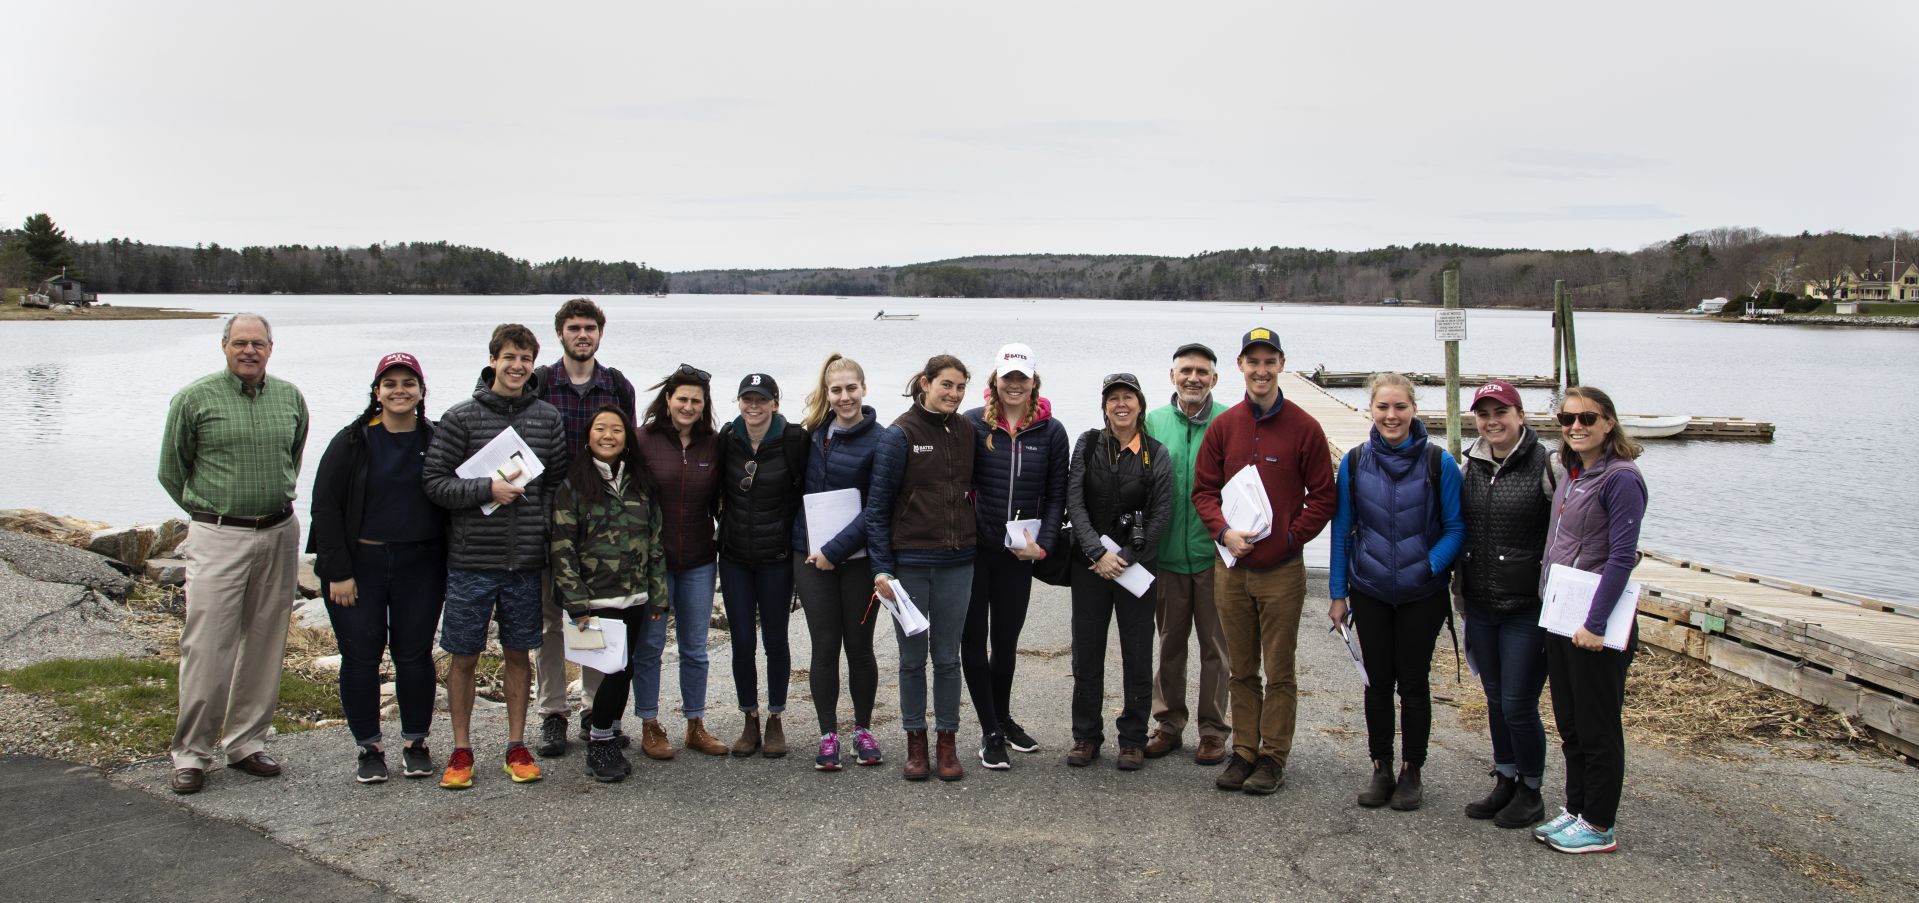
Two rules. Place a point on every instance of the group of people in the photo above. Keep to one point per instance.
(633, 515)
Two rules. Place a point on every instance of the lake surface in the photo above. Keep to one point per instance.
(1823, 503)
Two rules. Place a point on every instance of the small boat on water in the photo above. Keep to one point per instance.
(1653, 426)
(883, 315)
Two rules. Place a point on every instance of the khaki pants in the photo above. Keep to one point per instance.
(240, 589)
(1186, 603)
(549, 661)
(1259, 612)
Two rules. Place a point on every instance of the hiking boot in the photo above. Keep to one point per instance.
(1212, 750)
(916, 767)
(459, 770)
(1379, 790)
(1524, 809)
(948, 754)
(1502, 793)
(1234, 777)
(372, 766)
(1407, 793)
(552, 736)
(1558, 824)
(653, 740)
(519, 763)
(1082, 754)
(698, 740)
(1162, 742)
(418, 761)
(1267, 777)
(866, 747)
(775, 745)
(992, 752)
(749, 741)
(605, 762)
(1130, 758)
(1582, 837)
(1017, 737)
(829, 757)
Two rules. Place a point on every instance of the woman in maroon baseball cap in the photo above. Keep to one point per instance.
(380, 554)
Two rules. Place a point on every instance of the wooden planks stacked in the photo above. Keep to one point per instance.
(1344, 424)
(1353, 379)
(1696, 427)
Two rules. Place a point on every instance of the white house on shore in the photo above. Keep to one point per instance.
(1872, 286)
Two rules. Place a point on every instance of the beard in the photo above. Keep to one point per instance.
(576, 355)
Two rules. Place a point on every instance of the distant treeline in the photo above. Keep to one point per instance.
(415, 268)
(1673, 274)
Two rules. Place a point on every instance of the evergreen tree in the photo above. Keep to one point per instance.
(48, 250)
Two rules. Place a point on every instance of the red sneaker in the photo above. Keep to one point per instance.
(459, 771)
(520, 766)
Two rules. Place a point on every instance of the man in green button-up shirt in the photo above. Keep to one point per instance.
(229, 458)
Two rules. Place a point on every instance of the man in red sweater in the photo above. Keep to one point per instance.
(1260, 596)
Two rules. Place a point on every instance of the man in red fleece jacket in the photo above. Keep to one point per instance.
(1260, 596)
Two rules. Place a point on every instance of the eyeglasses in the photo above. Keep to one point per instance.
(695, 372)
(752, 467)
(1583, 418)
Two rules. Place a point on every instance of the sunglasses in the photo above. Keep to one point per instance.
(752, 467)
(1583, 418)
(695, 372)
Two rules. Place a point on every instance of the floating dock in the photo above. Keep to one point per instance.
(1854, 654)
(1356, 379)
(1696, 427)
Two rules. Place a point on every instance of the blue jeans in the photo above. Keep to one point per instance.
(690, 593)
(401, 586)
(942, 594)
(1510, 651)
(759, 600)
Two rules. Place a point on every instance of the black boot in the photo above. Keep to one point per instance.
(1501, 794)
(604, 761)
(1525, 809)
(1407, 794)
(1380, 788)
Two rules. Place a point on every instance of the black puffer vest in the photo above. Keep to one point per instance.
(1506, 510)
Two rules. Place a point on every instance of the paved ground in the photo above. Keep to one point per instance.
(1769, 828)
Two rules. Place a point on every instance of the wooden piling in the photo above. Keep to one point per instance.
(1565, 301)
(1450, 288)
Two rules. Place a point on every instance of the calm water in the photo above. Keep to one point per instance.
(1824, 503)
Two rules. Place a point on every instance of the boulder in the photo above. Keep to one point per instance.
(311, 613)
(70, 531)
(128, 545)
(41, 620)
(48, 561)
(327, 663)
(167, 571)
(169, 538)
(309, 581)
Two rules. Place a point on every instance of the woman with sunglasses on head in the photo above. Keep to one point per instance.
(1506, 498)
(1395, 534)
(836, 583)
(607, 564)
(1120, 488)
(1019, 473)
(682, 451)
(920, 533)
(1596, 514)
(762, 472)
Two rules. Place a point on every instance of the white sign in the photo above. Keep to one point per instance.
(1449, 325)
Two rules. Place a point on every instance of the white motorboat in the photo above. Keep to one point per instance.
(1653, 426)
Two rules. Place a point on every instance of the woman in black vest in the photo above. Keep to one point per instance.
(1507, 499)
(762, 467)
(1119, 487)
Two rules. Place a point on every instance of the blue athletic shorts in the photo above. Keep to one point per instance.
(476, 597)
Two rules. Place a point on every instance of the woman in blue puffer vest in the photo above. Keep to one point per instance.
(1395, 536)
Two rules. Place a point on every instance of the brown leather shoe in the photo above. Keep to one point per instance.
(653, 741)
(260, 765)
(698, 740)
(1082, 754)
(749, 741)
(187, 780)
(1212, 750)
(916, 768)
(1130, 758)
(950, 767)
(1162, 742)
(775, 745)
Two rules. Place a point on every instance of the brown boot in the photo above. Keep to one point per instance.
(698, 740)
(916, 769)
(1162, 742)
(775, 745)
(950, 768)
(749, 741)
(653, 741)
(1379, 789)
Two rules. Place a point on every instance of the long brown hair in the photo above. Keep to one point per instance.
(935, 365)
(586, 478)
(659, 416)
(1622, 446)
(992, 406)
(818, 411)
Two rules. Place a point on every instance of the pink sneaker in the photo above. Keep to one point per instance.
(867, 747)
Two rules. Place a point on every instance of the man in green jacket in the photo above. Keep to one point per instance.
(1184, 579)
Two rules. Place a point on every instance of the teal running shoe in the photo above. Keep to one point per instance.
(1558, 824)
(1581, 837)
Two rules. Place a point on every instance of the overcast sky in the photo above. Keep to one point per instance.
(751, 134)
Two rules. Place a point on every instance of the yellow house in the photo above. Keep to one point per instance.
(1874, 285)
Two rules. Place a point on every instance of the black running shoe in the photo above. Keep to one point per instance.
(992, 752)
(552, 736)
(372, 766)
(1017, 737)
(418, 761)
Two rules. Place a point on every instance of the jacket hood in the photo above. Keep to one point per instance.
(484, 394)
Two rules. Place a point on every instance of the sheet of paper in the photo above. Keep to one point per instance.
(508, 458)
(1016, 531)
(1136, 579)
(1244, 505)
(1569, 596)
(1350, 637)
(901, 607)
(610, 658)
(827, 513)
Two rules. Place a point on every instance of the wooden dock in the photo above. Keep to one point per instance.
(1696, 427)
(1354, 379)
(1854, 654)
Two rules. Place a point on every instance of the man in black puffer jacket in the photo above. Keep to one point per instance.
(495, 562)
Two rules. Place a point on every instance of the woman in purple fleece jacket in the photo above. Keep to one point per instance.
(1596, 515)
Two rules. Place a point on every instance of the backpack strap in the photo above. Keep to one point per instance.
(795, 453)
(623, 390)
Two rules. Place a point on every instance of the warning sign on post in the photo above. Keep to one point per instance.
(1449, 325)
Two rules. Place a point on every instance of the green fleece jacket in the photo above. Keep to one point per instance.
(1184, 548)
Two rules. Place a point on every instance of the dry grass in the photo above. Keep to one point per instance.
(14, 311)
(1819, 868)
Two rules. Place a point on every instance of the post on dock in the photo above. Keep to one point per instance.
(1559, 343)
(1564, 299)
(1450, 299)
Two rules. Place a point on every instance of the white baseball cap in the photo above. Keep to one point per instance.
(1014, 358)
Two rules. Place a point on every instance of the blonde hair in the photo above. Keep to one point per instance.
(818, 411)
(1389, 380)
(991, 414)
(1622, 446)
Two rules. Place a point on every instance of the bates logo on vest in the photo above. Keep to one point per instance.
(922, 449)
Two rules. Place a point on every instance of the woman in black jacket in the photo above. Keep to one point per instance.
(762, 466)
(380, 553)
(1120, 488)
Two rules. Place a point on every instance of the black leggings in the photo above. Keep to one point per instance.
(1002, 588)
(1397, 643)
(840, 612)
(609, 702)
(1589, 692)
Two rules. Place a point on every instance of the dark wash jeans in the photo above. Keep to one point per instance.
(1097, 602)
(1509, 649)
(1002, 589)
(401, 588)
(759, 596)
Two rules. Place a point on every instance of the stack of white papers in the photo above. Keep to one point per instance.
(1243, 502)
(592, 646)
(904, 612)
(508, 458)
(1136, 578)
(1350, 637)
(1016, 531)
(1569, 597)
(827, 513)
